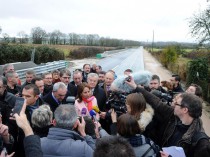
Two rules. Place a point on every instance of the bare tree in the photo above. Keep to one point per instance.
(23, 36)
(200, 26)
(38, 35)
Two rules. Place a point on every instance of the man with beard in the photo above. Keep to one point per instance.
(12, 81)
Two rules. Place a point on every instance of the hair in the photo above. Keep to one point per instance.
(34, 87)
(65, 116)
(42, 116)
(109, 72)
(137, 103)
(193, 103)
(114, 146)
(128, 70)
(58, 85)
(99, 67)
(65, 71)
(3, 80)
(46, 73)
(127, 125)
(89, 126)
(80, 89)
(55, 72)
(31, 72)
(155, 77)
(177, 77)
(198, 90)
(92, 75)
(77, 72)
(102, 72)
(9, 74)
(5, 67)
(33, 81)
(85, 65)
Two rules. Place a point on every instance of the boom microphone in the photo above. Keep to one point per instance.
(140, 78)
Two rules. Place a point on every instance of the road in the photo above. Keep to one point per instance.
(136, 59)
(131, 58)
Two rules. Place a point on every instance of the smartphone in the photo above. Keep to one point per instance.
(80, 119)
(18, 105)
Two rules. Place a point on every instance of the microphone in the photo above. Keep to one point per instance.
(96, 109)
(140, 78)
(93, 115)
(83, 111)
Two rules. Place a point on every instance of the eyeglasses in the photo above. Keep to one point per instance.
(178, 104)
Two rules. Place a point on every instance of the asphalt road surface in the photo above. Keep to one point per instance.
(127, 59)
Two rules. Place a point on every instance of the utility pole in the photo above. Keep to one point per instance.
(32, 55)
(153, 39)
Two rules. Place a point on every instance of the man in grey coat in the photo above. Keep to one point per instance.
(68, 137)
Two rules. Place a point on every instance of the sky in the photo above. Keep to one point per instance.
(122, 19)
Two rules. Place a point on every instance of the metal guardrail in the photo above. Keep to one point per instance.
(50, 66)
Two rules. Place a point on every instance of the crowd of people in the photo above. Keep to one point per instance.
(78, 114)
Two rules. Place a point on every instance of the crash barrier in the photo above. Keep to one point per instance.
(39, 70)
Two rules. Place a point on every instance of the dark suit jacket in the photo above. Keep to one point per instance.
(71, 91)
(101, 97)
(51, 101)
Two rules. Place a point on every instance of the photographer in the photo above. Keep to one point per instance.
(179, 124)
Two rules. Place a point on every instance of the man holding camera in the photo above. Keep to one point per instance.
(179, 124)
(68, 134)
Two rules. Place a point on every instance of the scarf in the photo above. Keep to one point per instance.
(89, 102)
(136, 140)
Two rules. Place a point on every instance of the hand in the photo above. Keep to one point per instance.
(81, 127)
(22, 121)
(102, 115)
(97, 126)
(113, 116)
(4, 131)
(131, 83)
(164, 154)
(8, 155)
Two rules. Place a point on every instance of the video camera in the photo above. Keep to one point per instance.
(166, 97)
(116, 100)
(70, 100)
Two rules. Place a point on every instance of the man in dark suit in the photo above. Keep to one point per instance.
(77, 79)
(65, 76)
(86, 71)
(55, 98)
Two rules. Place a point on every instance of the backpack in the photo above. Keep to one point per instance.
(153, 147)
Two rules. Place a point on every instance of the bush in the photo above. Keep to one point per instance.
(168, 55)
(20, 53)
(85, 52)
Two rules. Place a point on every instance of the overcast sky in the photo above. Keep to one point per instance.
(122, 19)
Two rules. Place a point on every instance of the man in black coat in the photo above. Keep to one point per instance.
(179, 124)
(55, 98)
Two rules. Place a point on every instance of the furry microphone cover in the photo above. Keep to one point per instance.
(140, 78)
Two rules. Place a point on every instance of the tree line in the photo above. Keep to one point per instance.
(40, 36)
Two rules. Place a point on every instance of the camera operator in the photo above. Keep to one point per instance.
(156, 89)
